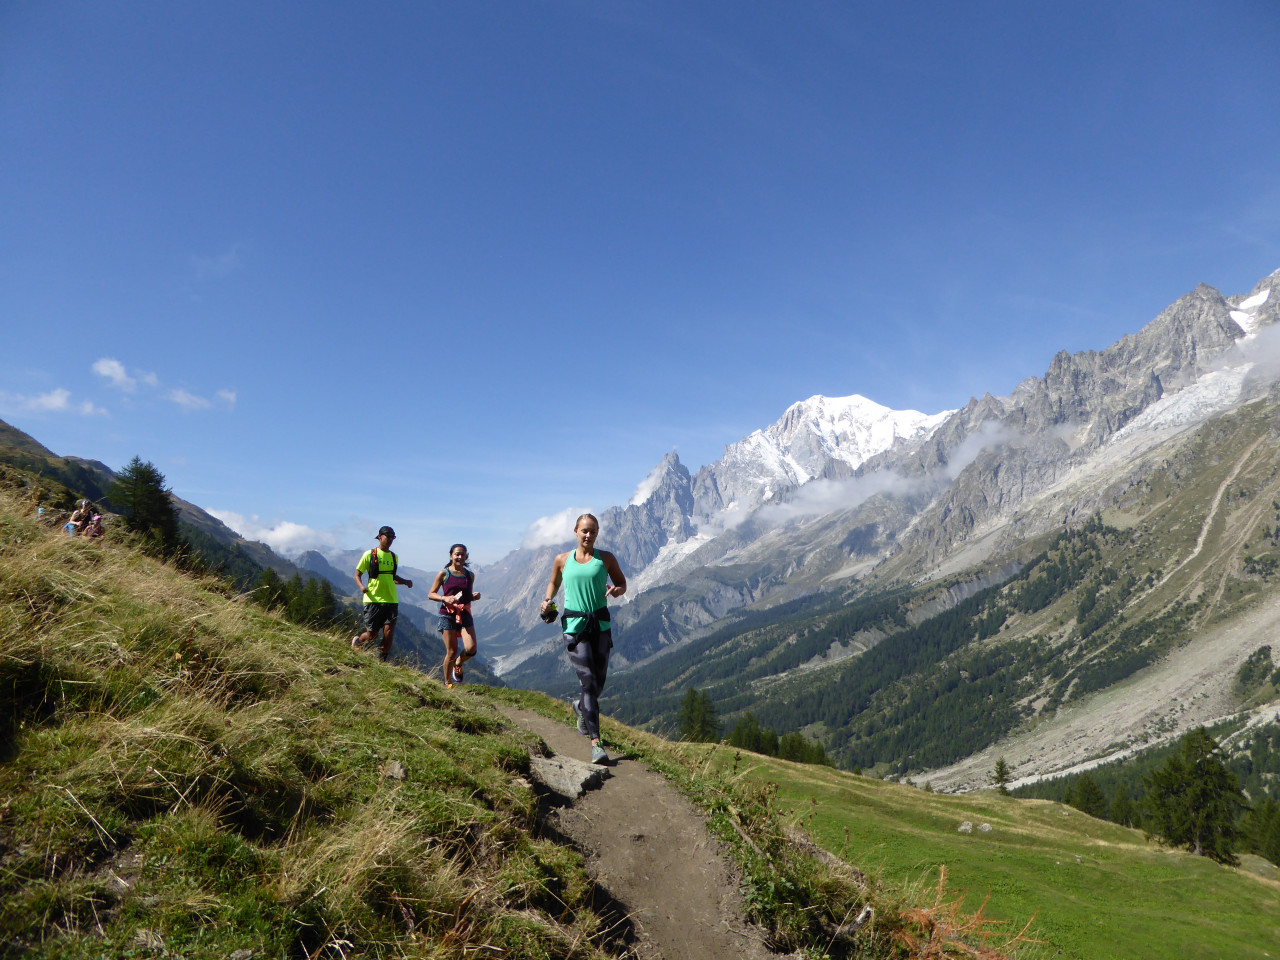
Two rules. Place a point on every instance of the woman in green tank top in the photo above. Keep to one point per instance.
(590, 577)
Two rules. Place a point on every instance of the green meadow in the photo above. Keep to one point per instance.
(1090, 888)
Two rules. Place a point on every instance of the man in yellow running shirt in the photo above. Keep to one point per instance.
(381, 605)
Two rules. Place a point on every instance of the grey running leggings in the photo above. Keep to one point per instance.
(589, 657)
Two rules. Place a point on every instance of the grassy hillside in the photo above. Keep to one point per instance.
(183, 770)
(1094, 889)
(184, 773)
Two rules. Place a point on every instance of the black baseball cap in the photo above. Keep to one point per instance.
(387, 530)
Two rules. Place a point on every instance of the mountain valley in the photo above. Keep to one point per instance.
(772, 577)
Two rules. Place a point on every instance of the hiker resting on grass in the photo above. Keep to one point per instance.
(381, 606)
(79, 518)
(587, 630)
(454, 590)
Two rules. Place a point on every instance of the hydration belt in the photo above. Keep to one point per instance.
(597, 622)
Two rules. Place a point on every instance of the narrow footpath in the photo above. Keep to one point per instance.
(648, 847)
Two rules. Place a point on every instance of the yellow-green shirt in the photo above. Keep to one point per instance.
(382, 588)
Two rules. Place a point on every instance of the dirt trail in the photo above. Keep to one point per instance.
(649, 848)
(1212, 512)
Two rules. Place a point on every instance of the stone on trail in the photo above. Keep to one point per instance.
(567, 777)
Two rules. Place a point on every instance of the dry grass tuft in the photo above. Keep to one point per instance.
(938, 928)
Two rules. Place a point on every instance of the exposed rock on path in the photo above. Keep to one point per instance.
(649, 848)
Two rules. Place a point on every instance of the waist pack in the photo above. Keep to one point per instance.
(597, 622)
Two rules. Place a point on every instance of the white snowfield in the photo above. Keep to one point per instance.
(1213, 392)
(670, 554)
(1247, 313)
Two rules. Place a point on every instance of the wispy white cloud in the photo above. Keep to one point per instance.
(119, 376)
(283, 536)
(819, 498)
(219, 265)
(114, 371)
(1263, 351)
(553, 530)
(650, 483)
(55, 401)
(990, 435)
(189, 401)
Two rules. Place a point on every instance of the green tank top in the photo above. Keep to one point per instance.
(584, 585)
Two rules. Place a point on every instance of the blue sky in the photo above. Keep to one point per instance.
(458, 266)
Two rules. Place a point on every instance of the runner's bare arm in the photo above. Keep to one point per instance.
(553, 586)
(433, 593)
(619, 585)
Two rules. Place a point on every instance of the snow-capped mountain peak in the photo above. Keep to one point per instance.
(811, 438)
(850, 429)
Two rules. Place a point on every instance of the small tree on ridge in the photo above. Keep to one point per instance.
(138, 493)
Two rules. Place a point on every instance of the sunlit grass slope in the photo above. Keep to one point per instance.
(1096, 890)
(182, 772)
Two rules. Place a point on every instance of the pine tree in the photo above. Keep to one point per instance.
(1261, 829)
(795, 746)
(1001, 775)
(1192, 801)
(749, 735)
(698, 720)
(1089, 798)
(1123, 810)
(269, 589)
(138, 493)
(1270, 843)
(295, 599)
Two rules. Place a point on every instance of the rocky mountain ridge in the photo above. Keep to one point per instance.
(673, 514)
(931, 492)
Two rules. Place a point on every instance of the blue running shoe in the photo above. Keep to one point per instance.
(582, 720)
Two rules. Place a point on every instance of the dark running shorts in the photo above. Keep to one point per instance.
(447, 622)
(377, 614)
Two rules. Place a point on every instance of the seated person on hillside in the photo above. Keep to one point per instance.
(79, 518)
(94, 528)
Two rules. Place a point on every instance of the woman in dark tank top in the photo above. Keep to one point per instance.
(454, 589)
